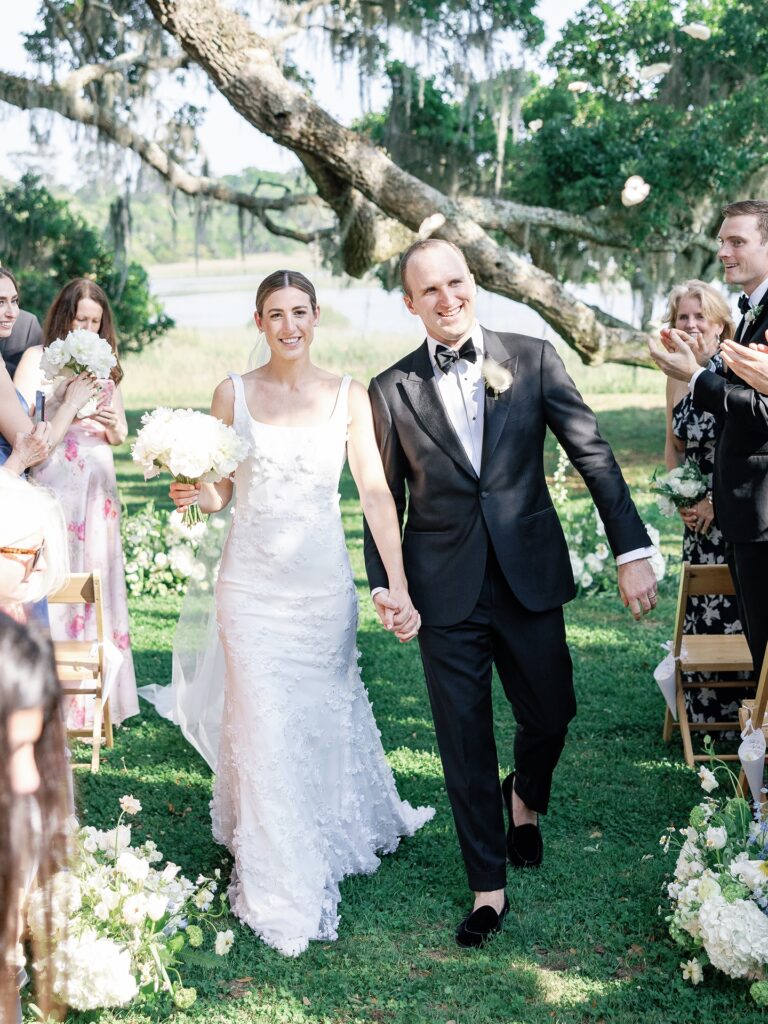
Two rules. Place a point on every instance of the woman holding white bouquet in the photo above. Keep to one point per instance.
(23, 442)
(79, 331)
(691, 435)
(303, 794)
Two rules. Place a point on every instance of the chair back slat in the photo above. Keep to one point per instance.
(79, 588)
(710, 579)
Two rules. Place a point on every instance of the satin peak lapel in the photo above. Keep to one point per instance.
(421, 391)
(497, 409)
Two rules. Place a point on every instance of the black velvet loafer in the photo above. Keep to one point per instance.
(525, 847)
(480, 925)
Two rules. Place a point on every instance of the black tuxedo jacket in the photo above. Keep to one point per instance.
(740, 491)
(26, 332)
(452, 514)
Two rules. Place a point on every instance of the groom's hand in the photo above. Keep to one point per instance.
(637, 586)
(397, 614)
(385, 607)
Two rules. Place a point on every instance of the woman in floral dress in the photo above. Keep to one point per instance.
(81, 472)
(700, 311)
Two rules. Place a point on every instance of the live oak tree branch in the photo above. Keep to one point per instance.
(240, 63)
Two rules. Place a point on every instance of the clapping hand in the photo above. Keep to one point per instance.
(674, 354)
(749, 362)
(397, 614)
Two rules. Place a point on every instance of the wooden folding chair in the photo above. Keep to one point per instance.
(755, 708)
(82, 661)
(705, 652)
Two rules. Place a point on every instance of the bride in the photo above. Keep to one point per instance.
(303, 795)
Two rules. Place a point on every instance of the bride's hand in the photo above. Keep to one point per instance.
(406, 620)
(183, 495)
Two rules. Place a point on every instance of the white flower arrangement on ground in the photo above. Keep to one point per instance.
(81, 351)
(120, 925)
(718, 897)
(192, 446)
(162, 553)
(592, 563)
(679, 488)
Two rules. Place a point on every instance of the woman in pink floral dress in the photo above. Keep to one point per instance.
(81, 472)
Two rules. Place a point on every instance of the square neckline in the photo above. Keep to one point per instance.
(292, 426)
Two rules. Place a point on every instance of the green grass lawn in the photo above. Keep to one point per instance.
(584, 941)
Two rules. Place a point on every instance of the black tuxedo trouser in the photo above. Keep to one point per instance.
(534, 665)
(749, 567)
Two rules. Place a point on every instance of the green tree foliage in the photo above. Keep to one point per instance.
(46, 245)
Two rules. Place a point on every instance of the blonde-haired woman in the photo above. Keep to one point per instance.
(702, 312)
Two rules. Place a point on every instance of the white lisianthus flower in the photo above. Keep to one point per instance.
(130, 805)
(135, 909)
(203, 899)
(716, 837)
(132, 867)
(752, 873)
(157, 905)
(692, 971)
(169, 872)
(224, 942)
(707, 779)
(115, 839)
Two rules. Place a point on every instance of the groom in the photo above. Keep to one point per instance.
(485, 556)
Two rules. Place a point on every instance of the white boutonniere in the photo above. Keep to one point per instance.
(752, 314)
(497, 378)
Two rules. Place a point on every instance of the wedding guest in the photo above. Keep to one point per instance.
(25, 333)
(33, 793)
(33, 545)
(740, 480)
(699, 310)
(15, 424)
(82, 475)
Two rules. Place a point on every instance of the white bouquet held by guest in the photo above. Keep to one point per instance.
(681, 487)
(192, 446)
(80, 352)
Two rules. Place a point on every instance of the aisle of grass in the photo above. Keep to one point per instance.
(583, 942)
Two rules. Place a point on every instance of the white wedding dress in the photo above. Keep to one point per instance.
(303, 794)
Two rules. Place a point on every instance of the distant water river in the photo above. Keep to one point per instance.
(227, 301)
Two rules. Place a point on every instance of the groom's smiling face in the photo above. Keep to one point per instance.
(441, 291)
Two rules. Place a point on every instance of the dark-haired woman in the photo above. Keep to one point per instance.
(81, 472)
(303, 793)
(33, 788)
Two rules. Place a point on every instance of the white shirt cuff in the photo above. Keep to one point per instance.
(376, 590)
(635, 555)
(695, 377)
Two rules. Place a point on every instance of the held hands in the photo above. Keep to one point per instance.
(637, 587)
(184, 495)
(397, 614)
(748, 362)
(675, 354)
(698, 517)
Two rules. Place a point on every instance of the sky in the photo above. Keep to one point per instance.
(229, 143)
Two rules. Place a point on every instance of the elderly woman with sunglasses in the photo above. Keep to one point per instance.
(33, 545)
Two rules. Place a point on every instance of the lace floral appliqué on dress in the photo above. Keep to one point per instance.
(303, 794)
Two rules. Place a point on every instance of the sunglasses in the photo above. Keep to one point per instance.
(33, 553)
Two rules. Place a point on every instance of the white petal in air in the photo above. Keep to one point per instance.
(653, 71)
(533, 126)
(578, 86)
(635, 190)
(431, 224)
(697, 30)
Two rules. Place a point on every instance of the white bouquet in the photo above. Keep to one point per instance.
(679, 488)
(120, 925)
(81, 351)
(191, 446)
(719, 895)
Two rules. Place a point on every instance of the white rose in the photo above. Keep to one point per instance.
(129, 805)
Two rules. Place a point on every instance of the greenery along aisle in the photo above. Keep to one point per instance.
(583, 941)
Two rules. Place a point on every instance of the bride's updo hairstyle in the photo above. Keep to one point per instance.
(284, 279)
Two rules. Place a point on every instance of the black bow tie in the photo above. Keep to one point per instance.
(445, 357)
(744, 304)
